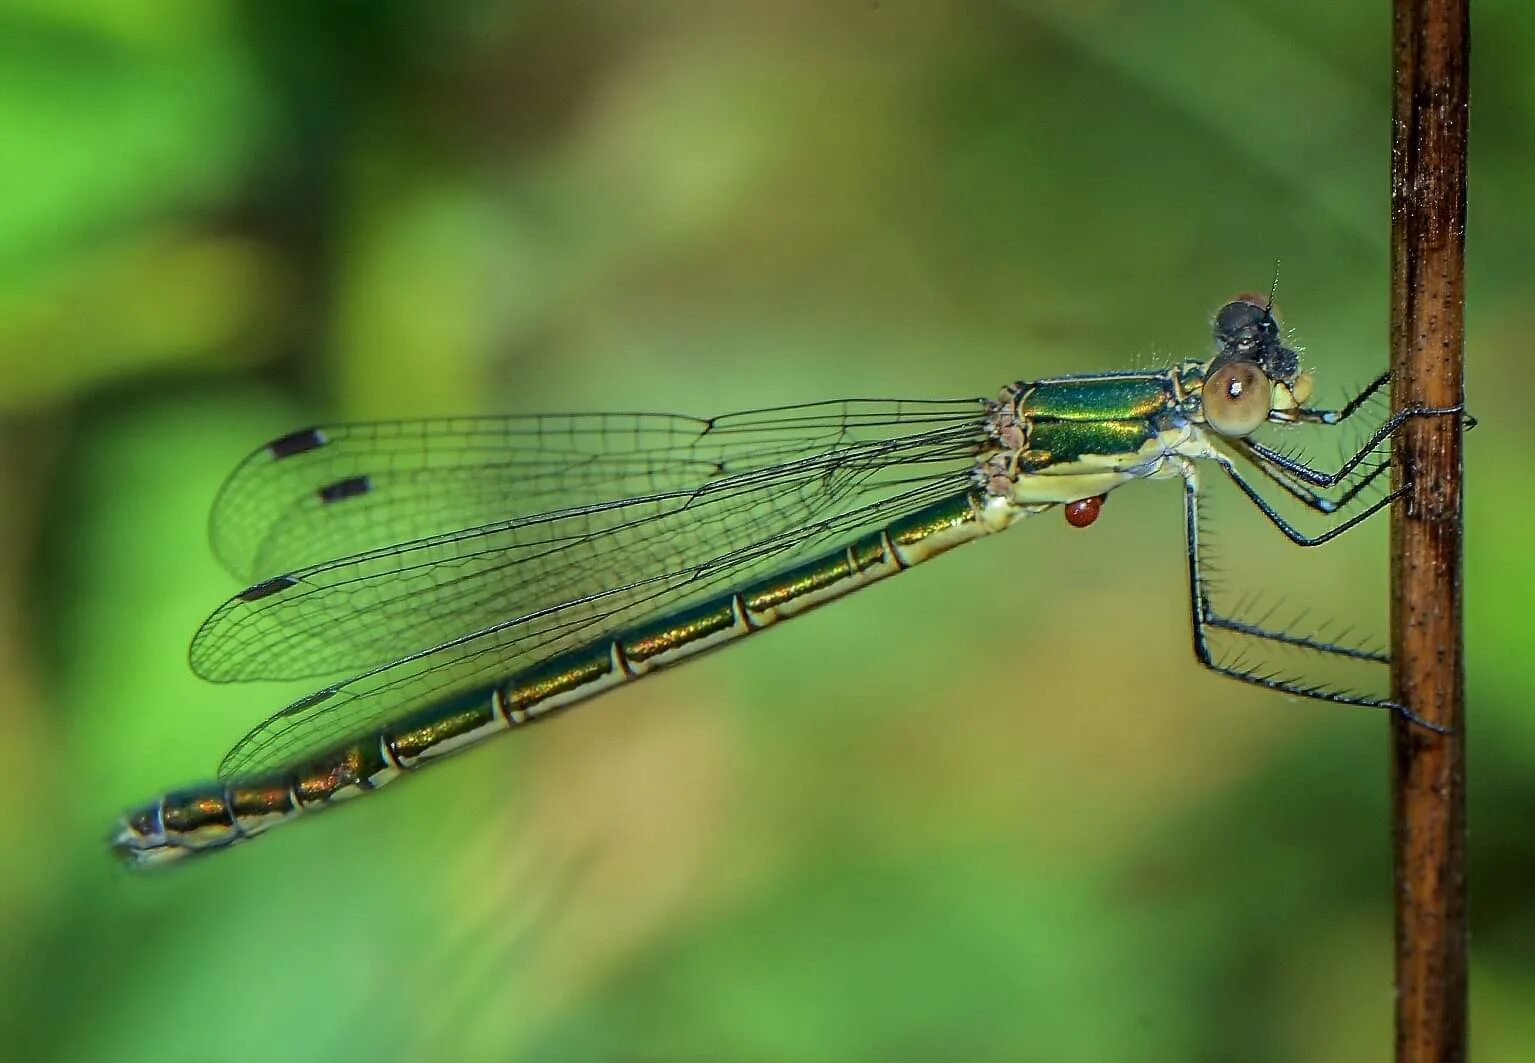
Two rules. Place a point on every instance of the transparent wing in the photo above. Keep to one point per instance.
(359, 705)
(338, 490)
(767, 473)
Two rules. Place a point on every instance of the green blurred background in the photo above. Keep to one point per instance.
(990, 810)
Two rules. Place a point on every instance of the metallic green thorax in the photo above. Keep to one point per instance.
(1110, 397)
(1069, 438)
(1072, 419)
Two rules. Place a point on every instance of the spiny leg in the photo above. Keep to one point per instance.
(1296, 488)
(1300, 539)
(1291, 532)
(1309, 415)
(1205, 618)
(1318, 478)
(1304, 472)
(1294, 475)
(1258, 631)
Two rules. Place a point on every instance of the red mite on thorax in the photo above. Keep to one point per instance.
(1083, 511)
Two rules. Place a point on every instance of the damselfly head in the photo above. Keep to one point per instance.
(1253, 373)
(1249, 302)
(1247, 329)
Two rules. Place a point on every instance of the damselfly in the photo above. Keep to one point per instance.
(470, 597)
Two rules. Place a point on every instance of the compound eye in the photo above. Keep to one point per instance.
(1236, 398)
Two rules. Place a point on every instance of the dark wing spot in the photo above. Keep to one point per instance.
(297, 443)
(266, 588)
(309, 700)
(348, 488)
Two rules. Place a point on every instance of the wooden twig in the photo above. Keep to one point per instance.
(1428, 216)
